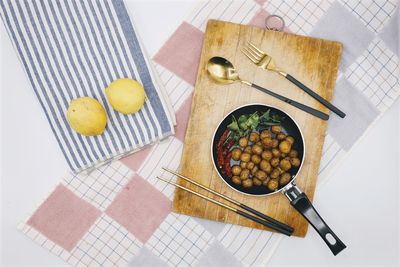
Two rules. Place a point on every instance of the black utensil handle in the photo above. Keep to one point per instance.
(263, 222)
(298, 105)
(316, 96)
(302, 204)
(267, 218)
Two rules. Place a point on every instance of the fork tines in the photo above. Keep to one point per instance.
(256, 55)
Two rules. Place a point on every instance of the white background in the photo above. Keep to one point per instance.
(360, 201)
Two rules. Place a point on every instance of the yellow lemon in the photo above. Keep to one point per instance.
(87, 116)
(125, 95)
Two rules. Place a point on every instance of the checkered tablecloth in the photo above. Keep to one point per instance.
(120, 213)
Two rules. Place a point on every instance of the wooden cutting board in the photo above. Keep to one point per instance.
(313, 61)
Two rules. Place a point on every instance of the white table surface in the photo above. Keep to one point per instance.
(360, 201)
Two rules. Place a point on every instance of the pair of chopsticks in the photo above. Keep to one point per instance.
(259, 218)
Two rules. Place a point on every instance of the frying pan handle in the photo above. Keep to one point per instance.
(302, 204)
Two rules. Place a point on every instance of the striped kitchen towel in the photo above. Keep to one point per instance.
(71, 49)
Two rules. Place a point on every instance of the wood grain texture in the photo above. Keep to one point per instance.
(313, 61)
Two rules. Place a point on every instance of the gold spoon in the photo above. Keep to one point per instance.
(222, 71)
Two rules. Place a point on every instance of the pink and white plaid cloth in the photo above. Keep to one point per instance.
(120, 214)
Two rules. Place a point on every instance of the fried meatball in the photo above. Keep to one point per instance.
(255, 158)
(244, 174)
(260, 175)
(254, 137)
(243, 142)
(236, 179)
(247, 149)
(236, 170)
(265, 134)
(250, 165)
(254, 170)
(273, 184)
(276, 153)
(258, 143)
(275, 173)
(257, 182)
(293, 153)
(285, 165)
(275, 143)
(295, 162)
(245, 157)
(274, 162)
(267, 142)
(290, 139)
(243, 165)
(256, 149)
(247, 183)
(265, 182)
(280, 136)
(266, 154)
(285, 178)
(276, 129)
(236, 153)
(265, 166)
(285, 147)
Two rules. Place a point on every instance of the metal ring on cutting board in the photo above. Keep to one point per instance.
(274, 28)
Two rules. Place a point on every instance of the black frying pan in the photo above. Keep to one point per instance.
(297, 198)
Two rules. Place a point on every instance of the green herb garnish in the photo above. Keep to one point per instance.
(245, 124)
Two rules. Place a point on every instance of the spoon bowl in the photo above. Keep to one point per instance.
(222, 71)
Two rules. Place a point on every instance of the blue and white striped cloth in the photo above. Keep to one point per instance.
(77, 48)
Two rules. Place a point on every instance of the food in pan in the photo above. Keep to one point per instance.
(255, 150)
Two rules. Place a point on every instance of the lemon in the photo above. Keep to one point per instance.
(87, 116)
(125, 95)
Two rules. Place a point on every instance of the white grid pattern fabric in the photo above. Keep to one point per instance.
(373, 14)
(300, 16)
(167, 154)
(42, 241)
(180, 241)
(106, 244)
(177, 89)
(376, 73)
(100, 186)
(234, 11)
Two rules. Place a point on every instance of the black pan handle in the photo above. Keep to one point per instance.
(296, 104)
(267, 218)
(302, 204)
(316, 96)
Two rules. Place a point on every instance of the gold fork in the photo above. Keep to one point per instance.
(264, 61)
